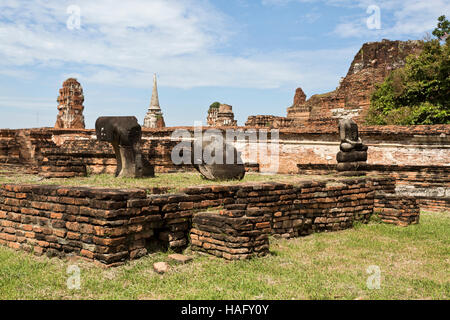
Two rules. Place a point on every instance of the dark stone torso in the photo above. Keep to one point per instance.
(351, 131)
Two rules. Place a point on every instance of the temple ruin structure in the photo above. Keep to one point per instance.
(351, 99)
(154, 117)
(221, 117)
(70, 106)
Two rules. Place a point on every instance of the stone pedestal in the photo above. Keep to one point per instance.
(353, 163)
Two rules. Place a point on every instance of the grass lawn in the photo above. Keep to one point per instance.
(172, 181)
(414, 263)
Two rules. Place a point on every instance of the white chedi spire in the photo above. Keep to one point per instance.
(154, 111)
(154, 103)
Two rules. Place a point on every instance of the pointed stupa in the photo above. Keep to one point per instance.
(154, 103)
(154, 117)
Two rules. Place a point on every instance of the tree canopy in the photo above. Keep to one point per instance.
(418, 93)
(443, 29)
(214, 105)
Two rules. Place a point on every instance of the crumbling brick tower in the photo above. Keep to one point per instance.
(222, 116)
(70, 105)
(299, 111)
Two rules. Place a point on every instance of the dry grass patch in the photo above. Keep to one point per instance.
(173, 182)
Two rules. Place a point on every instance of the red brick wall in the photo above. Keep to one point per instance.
(429, 184)
(411, 145)
(233, 235)
(55, 220)
(417, 156)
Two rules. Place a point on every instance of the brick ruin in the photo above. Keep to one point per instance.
(70, 106)
(395, 209)
(299, 111)
(351, 99)
(261, 121)
(371, 65)
(416, 156)
(232, 235)
(221, 117)
(111, 226)
(407, 171)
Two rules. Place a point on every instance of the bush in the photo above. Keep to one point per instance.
(214, 105)
(418, 93)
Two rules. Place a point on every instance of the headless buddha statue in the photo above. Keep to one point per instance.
(348, 131)
(352, 156)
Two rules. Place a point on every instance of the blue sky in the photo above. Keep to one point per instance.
(251, 54)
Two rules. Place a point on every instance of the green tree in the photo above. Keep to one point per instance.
(418, 93)
(442, 30)
(214, 105)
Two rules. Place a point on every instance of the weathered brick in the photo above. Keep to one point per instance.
(73, 226)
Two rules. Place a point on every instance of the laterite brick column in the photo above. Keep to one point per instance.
(337, 205)
(233, 235)
(397, 209)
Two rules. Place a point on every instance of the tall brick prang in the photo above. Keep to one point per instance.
(70, 106)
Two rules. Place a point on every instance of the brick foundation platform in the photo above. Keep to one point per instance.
(111, 226)
(434, 204)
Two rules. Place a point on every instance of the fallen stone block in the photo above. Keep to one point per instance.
(180, 258)
(161, 267)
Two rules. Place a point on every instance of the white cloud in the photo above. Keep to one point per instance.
(275, 2)
(412, 17)
(124, 43)
(408, 18)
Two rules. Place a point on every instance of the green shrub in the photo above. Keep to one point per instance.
(214, 105)
(418, 93)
